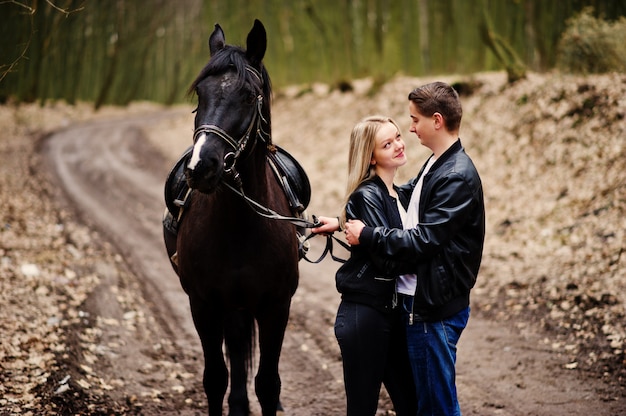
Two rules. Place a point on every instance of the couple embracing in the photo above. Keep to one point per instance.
(415, 254)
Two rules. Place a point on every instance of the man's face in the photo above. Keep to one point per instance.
(423, 126)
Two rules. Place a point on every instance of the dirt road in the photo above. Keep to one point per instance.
(114, 178)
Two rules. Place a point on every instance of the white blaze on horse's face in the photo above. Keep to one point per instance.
(195, 155)
(226, 83)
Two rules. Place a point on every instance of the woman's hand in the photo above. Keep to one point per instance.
(353, 231)
(329, 225)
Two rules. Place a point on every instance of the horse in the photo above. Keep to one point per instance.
(238, 268)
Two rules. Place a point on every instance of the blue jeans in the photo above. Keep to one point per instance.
(432, 353)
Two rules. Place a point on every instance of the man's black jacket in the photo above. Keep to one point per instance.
(445, 248)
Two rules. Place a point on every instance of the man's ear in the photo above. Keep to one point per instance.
(438, 120)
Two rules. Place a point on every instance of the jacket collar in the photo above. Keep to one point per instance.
(453, 149)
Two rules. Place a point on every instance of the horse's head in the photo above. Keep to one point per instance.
(233, 108)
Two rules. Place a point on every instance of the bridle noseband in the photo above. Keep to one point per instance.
(238, 145)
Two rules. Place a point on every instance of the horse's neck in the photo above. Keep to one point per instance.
(253, 173)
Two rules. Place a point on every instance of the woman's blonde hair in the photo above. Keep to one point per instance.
(362, 143)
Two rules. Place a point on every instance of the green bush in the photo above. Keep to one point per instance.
(591, 45)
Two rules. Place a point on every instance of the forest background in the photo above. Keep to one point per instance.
(116, 52)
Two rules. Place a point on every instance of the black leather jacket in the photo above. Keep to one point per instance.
(446, 246)
(361, 279)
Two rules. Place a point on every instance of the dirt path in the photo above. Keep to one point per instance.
(115, 178)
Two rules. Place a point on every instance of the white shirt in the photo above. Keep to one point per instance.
(407, 283)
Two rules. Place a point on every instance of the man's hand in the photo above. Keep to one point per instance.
(353, 231)
(330, 225)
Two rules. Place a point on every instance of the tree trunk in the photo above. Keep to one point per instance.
(515, 69)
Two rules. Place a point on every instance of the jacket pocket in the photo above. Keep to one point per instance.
(434, 286)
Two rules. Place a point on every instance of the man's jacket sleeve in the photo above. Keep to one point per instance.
(447, 207)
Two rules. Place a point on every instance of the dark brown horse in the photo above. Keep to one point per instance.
(239, 268)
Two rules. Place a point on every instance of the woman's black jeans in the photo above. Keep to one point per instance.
(374, 351)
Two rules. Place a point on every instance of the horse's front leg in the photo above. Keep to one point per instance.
(239, 333)
(272, 322)
(208, 322)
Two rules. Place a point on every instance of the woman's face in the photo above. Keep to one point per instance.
(389, 148)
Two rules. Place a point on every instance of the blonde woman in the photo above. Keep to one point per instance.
(368, 327)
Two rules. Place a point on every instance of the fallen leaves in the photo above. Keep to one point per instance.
(560, 204)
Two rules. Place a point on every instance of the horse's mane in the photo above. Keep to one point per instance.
(234, 57)
(231, 57)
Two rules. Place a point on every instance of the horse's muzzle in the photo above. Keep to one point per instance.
(203, 178)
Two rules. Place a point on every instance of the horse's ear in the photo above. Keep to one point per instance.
(256, 43)
(217, 40)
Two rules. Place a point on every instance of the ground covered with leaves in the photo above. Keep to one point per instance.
(558, 223)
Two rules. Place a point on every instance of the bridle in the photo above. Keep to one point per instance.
(238, 146)
(230, 159)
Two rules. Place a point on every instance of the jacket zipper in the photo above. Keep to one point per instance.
(394, 299)
(411, 314)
